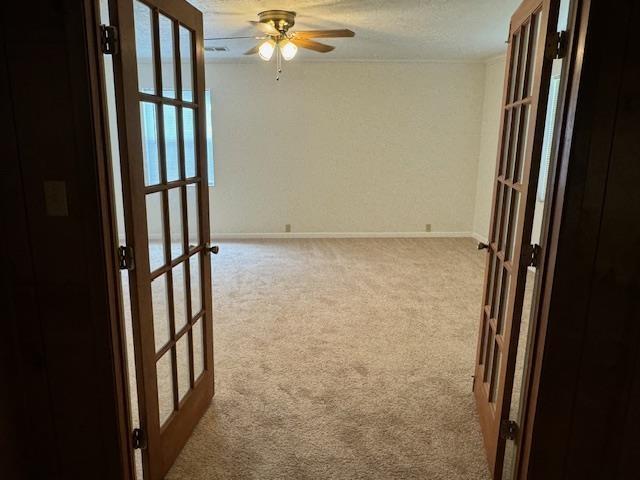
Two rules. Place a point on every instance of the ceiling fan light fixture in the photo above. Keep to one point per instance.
(288, 49)
(276, 36)
(266, 50)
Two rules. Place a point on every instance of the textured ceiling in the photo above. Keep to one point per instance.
(385, 30)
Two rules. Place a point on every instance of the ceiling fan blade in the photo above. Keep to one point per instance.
(252, 51)
(324, 33)
(311, 45)
(265, 27)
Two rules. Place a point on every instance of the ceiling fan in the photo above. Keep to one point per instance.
(279, 39)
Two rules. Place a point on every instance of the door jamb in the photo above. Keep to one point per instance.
(577, 28)
(109, 235)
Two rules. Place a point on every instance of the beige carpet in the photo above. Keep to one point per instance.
(342, 359)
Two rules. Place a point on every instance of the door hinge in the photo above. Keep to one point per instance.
(125, 258)
(139, 439)
(557, 45)
(109, 39)
(508, 429)
(533, 255)
(473, 383)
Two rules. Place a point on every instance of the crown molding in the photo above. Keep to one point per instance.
(241, 61)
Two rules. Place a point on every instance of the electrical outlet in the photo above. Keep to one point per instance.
(287, 227)
(427, 227)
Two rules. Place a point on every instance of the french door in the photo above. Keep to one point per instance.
(528, 69)
(159, 80)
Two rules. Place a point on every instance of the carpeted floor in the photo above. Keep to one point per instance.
(342, 359)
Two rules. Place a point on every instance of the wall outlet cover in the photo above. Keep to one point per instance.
(287, 227)
(427, 227)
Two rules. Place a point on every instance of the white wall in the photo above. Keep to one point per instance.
(355, 147)
(352, 148)
(346, 147)
(493, 81)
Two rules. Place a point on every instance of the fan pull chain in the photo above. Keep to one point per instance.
(278, 63)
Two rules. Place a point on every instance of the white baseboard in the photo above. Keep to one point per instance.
(241, 236)
(480, 238)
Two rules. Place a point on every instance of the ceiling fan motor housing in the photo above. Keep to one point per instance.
(282, 20)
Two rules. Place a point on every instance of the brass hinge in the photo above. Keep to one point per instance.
(508, 429)
(139, 439)
(109, 39)
(556, 45)
(533, 255)
(125, 258)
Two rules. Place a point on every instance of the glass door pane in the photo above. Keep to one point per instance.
(167, 58)
(143, 20)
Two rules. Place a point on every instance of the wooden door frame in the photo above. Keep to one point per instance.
(118, 340)
(532, 380)
(61, 342)
(491, 419)
(589, 375)
(130, 141)
(110, 234)
(562, 137)
(576, 30)
(579, 54)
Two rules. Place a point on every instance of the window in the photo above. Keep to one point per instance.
(171, 140)
(552, 105)
(209, 126)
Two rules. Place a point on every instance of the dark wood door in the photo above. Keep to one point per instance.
(526, 86)
(160, 95)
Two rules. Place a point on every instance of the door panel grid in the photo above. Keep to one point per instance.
(175, 220)
(508, 198)
(166, 210)
(525, 85)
